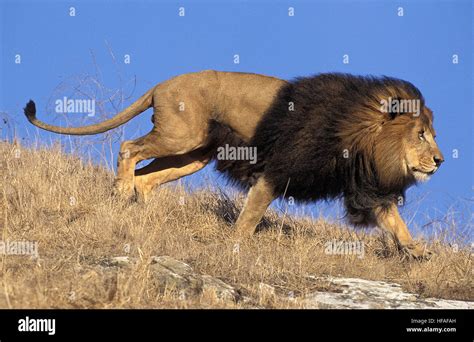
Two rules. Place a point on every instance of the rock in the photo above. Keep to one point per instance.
(172, 274)
(369, 294)
(168, 273)
(222, 290)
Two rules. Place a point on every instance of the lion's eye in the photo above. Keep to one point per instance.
(421, 135)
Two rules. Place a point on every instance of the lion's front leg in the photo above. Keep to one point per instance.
(391, 221)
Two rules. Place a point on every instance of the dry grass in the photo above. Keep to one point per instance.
(66, 206)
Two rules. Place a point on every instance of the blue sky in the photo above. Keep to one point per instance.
(57, 50)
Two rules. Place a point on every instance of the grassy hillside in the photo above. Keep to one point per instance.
(65, 205)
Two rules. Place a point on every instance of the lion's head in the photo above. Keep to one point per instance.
(408, 148)
(422, 154)
(405, 150)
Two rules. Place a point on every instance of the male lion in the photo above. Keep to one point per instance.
(320, 137)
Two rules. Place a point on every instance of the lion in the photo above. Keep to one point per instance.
(364, 139)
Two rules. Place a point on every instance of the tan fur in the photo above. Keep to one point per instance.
(183, 108)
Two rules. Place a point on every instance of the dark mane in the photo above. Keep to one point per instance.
(329, 145)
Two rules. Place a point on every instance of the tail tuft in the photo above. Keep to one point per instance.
(30, 110)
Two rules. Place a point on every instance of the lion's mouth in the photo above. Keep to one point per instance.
(426, 172)
(422, 175)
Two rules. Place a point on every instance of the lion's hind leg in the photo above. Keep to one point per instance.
(169, 140)
(167, 169)
(132, 152)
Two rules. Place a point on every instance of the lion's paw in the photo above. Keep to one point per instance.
(417, 251)
(124, 190)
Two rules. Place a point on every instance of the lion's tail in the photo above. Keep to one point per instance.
(139, 106)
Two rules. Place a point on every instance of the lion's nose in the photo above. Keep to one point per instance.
(438, 160)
